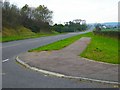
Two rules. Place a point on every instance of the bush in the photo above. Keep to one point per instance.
(108, 33)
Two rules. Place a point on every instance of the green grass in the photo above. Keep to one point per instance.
(21, 37)
(59, 44)
(10, 34)
(102, 49)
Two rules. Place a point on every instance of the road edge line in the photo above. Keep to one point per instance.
(97, 61)
(62, 75)
(5, 60)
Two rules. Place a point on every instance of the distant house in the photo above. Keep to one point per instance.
(104, 27)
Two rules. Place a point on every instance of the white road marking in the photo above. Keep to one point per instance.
(10, 45)
(5, 60)
(17, 44)
(2, 73)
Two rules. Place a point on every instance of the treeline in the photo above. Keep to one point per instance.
(100, 30)
(36, 19)
(70, 27)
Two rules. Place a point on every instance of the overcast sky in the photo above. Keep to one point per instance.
(67, 10)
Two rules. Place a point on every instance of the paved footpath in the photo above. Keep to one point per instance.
(68, 62)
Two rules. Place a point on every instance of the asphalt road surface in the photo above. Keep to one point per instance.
(16, 76)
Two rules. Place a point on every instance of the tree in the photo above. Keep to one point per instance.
(58, 28)
(36, 19)
(70, 27)
(42, 13)
(98, 27)
(10, 15)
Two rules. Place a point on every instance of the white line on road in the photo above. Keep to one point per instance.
(5, 60)
(10, 45)
(2, 73)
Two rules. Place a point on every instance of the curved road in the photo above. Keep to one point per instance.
(16, 76)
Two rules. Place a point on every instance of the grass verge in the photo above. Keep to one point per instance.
(21, 37)
(59, 44)
(101, 48)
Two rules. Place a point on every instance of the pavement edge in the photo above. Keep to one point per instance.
(62, 75)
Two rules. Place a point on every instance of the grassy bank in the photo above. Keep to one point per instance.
(101, 48)
(21, 33)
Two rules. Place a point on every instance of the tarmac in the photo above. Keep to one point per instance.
(67, 63)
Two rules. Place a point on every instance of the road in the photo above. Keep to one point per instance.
(16, 76)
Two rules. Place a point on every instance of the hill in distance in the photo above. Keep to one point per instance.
(111, 23)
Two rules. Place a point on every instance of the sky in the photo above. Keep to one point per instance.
(93, 11)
